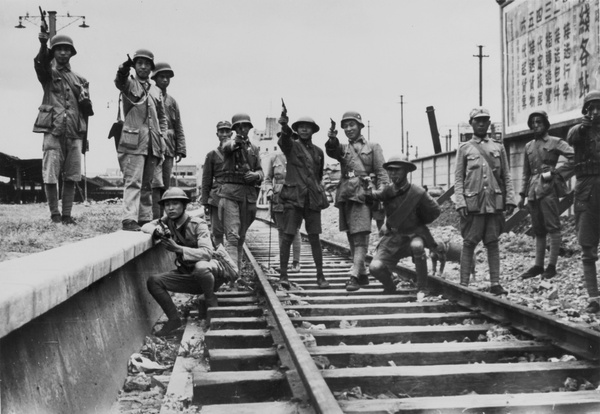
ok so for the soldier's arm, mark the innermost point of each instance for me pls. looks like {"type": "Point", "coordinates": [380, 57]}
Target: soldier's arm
{"type": "Point", "coordinates": [285, 141]}
{"type": "Point", "coordinates": [429, 209]}
{"type": "Point", "coordinates": [526, 174]}
{"type": "Point", "coordinates": [567, 169]}
{"type": "Point", "coordinates": [204, 251]}
{"type": "Point", "coordinates": [378, 160]}
{"type": "Point", "coordinates": [207, 179]}
{"type": "Point", "coordinates": [459, 178]}
{"type": "Point", "coordinates": [42, 64]}
{"type": "Point", "coordinates": [506, 177]}
{"type": "Point", "coordinates": [179, 134]}
{"type": "Point", "coordinates": [334, 148]}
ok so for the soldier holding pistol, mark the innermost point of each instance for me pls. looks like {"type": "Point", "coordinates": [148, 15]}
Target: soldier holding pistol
{"type": "Point", "coordinates": [241, 183]}
{"type": "Point", "coordinates": [302, 195]}
{"type": "Point", "coordinates": [62, 119]}
{"type": "Point", "coordinates": [362, 166]}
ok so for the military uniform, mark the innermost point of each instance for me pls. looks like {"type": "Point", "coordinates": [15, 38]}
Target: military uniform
{"type": "Point", "coordinates": [585, 140]}
{"type": "Point", "coordinates": [63, 124]}
{"type": "Point", "coordinates": [237, 204]}
{"type": "Point", "coordinates": [543, 184]}
{"type": "Point", "coordinates": [212, 178]}
{"type": "Point", "coordinates": [408, 210]}
{"type": "Point", "coordinates": [274, 168]}
{"type": "Point", "coordinates": [484, 189]}
{"type": "Point", "coordinates": [142, 144]}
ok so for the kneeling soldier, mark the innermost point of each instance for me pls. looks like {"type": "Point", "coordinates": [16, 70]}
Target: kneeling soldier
{"type": "Point", "coordinates": [189, 238]}
{"type": "Point", "coordinates": [408, 210]}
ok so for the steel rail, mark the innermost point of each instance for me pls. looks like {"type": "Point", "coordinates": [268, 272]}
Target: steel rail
{"type": "Point", "coordinates": [318, 391]}
{"type": "Point", "coordinates": [574, 339]}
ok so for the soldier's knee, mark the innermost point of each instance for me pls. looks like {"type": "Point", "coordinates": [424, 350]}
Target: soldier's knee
{"type": "Point", "coordinates": [153, 282]}
{"type": "Point", "coordinates": [417, 246]}
{"type": "Point", "coordinates": [377, 267]}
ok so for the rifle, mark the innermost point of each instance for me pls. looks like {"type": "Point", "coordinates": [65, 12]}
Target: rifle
{"type": "Point", "coordinates": [44, 25]}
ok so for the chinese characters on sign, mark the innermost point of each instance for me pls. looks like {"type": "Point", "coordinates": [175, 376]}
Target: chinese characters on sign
{"type": "Point", "coordinates": [551, 56]}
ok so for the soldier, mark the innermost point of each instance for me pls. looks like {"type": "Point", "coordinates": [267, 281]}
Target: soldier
{"type": "Point", "coordinates": [543, 184]}
{"type": "Point", "coordinates": [408, 209]}
{"type": "Point", "coordinates": [197, 272]}
{"type": "Point", "coordinates": [241, 182]}
{"type": "Point", "coordinates": [212, 177]}
{"type": "Point", "coordinates": [361, 162]}
{"type": "Point", "coordinates": [62, 119]}
{"type": "Point", "coordinates": [585, 139]}
{"type": "Point", "coordinates": [302, 195]}
{"type": "Point", "coordinates": [142, 144]}
{"type": "Point", "coordinates": [483, 190]}
{"type": "Point", "coordinates": [274, 168]}
{"type": "Point", "coordinates": [175, 148]}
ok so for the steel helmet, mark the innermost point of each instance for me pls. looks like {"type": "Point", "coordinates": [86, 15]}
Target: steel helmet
{"type": "Point", "coordinates": [400, 161]}
{"type": "Point", "coordinates": [163, 67]}
{"type": "Point", "coordinates": [541, 113]}
{"type": "Point", "coordinates": [306, 120]}
{"type": "Point", "coordinates": [352, 115]}
{"type": "Point", "coordinates": [144, 53]}
{"type": "Point", "coordinates": [589, 97]}
{"type": "Point", "coordinates": [241, 119]}
{"type": "Point", "coordinates": [175, 193]}
{"type": "Point", "coordinates": [62, 40]}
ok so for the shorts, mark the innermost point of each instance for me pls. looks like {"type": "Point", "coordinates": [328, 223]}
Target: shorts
{"type": "Point", "coordinates": [482, 227]}
{"type": "Point", "coordinates": [61, 155]}
{"type": "Point", "coordinates": [292, 220]}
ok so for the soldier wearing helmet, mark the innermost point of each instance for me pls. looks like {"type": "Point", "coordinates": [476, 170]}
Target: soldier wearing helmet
{"type": "Point", "coordinates": [241, 183]}
{"type": "Point", "coordinates": [483, 191]}
{"type": "Point", "coordinates": [408, 210]}
{"type": "Point", "coordinates": [542, 184]}
{"type": "Point", "coordinates": [302, 195]}
{"type": "Point", "coordinates": [199, 270]}
{"type": "Point", "coordinates": [212, 178]}
{"type": "Point", "coordinates": [66, 98]}
{"type": "Point", "coordinates": [361, 162]}
{"type": "Point", "coordinates": [141, 146]}
{"type": "Point", "coordinates": [175, 148]}
{"type": "Point", "coordinates": [585, 140]}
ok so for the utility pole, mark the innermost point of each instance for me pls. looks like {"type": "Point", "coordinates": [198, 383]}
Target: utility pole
{"type": "Point", "coordinates": [402, 121]}
{"type": "Point", "coordinates": [480, 56]}
{"type": "Point", "coordinates": [368, 130]}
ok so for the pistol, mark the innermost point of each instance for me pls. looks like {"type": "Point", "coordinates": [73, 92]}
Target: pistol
{"type": "Point", "coordinates": [283, 108]}
{"type": "Point", "coordinates": [332, 127]}
{"type": "Point", "coordinates": [44, 25]}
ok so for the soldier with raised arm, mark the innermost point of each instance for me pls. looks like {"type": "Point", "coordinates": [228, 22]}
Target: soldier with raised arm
{"type": "Point", "coordinates": [361, 162]}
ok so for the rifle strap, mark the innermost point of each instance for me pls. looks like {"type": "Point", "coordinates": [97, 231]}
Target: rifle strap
{"type": "Point", "coordinates": [179, 238]}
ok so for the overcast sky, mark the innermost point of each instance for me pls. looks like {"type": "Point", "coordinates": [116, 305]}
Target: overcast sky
{"type": "Point", "coordinates": [323, 57]}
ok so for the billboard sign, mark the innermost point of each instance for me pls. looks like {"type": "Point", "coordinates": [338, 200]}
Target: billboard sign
{"type": "Point", "coordinates": [551, 58]}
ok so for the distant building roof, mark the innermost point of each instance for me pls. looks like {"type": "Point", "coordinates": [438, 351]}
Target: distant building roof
{"type": "Point", "coordinates": [30, 170]}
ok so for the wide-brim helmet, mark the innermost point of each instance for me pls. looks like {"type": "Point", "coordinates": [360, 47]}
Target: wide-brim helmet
{"type": "Point", "coordinates": [589, 97]}
{"type": "Point", "coordinates": [306, 120]}
{"type": "Point", "coordinates": [400, 161]}
{"type": "Point", "coordinates": [352, 115]}
{"type": "Point", "coordinates": [541, 113]}
{"type": "Point", "coordinates": [175, 193]}
{"type": "Point", "coordinates": [61, 39]}
{"type": "Point", "coordinates": [162, 67]}
{"type": "Point", "coordinates": [144, 53]}
{"type": "Point", "coordinates": [241, 119]}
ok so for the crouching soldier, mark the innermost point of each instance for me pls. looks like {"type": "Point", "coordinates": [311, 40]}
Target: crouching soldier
{"type": "Point", "coordinates": [199, 269]}
{"type": "Point", "coordinates": [408, 209]}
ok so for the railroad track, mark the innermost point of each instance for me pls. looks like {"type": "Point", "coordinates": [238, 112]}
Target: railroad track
{"type": "Point", "coordinates": [330, 351]}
